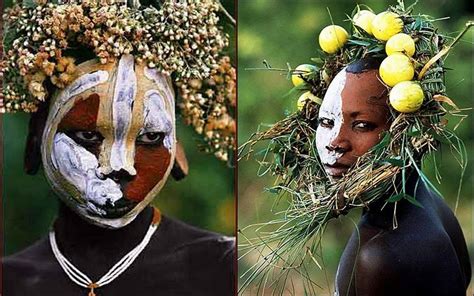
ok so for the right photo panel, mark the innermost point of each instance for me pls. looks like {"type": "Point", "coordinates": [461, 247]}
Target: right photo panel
{"type": "Point", "coordinates": [355, 135]}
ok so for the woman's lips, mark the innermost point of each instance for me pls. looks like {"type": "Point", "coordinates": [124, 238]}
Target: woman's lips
{"type": "Point", "coordinates": [336, 170]}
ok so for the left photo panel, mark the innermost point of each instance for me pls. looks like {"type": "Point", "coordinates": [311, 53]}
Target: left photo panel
{"type": "Point", "coordinates": [119, 135]}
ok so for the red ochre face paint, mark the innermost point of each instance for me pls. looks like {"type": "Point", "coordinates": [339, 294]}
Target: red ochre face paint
{"type": "Point", "coordinates": [94, 149]}
{"type": "Point", "coordinates": [82, 116]}
{"type": "Point", "coordinates": [151, 163]}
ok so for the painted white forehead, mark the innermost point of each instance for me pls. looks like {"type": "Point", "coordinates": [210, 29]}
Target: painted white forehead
{"type": "Point", "coordinates": [126, 77]}
{"type": "Point", "coordinates": [333, 95]}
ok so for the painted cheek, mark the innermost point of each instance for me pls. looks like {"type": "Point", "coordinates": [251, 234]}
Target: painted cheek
{"type": "Point", "coordinates": [332, 109]}
{"type": "Point", "coordinates": [151, 164]}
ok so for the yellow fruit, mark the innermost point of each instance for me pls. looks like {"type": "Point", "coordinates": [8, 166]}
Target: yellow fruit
{"type": "Point", "coordinates": [386, 24]}
{"type": "Point", "coordinates": [401, 43]}
{"type": "Point", "coordinates": [307, 96]}
{"type": "Point", "coordinates": [406, 96]}
{"type": "Point", "coordinates": [302, 71]}
{"type": "Point", "coordinates": [363, 19]}
{"type": "Point", "coordinates": [396, 68]}
{"type": "Point", "coordinates": [332, 38]}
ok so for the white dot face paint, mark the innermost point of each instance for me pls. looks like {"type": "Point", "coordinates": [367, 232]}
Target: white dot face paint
{"type": "Point", "coordinates": [93, 150]}
{"type": "Point", "coordinates": [331, 110]}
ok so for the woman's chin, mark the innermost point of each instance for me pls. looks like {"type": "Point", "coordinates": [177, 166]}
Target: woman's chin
{"type": "Point", "coordinates": [335, 173]}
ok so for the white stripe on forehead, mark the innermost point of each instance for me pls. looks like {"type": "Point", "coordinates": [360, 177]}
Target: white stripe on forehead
{"type": "Point", "coordinates": [161, 80]}
{"type": "Point", "coordinates": [83, 83]}
{"type": "Point", "coordinates": [124, 96]}
{"type": "Point", "coordinates": [157, 119]}
{"type": "Point", "coordinates": [331, 108]}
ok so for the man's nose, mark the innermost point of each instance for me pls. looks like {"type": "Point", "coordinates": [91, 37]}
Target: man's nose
{"type": "Point", "coordinates": [122, 158]}
{"type": "Point", "coordinates": [119, 176]}
{"type": "Point", "coordinates": [117, 161]}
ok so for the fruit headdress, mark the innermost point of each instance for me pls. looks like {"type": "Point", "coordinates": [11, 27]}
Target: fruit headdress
{"type": "Point", "coordinates": [412, 70]}
{"type": "Point", "coordinates": [44, 41]}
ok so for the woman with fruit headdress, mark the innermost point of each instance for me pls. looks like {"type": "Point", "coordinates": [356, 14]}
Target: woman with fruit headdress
{"type": "Point", "coordinates": [368, 115]}
{"type": "Point", "coordinates": [99, 78]}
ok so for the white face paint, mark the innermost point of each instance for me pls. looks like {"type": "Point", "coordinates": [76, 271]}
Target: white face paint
{"type": "Point", "coordinates": [133, 101]}
{"type": "Point", "coordinates": [156, 118]}
{"type": "Point", "coordinates": [79, 167]}
{"type": "Point", "coordinates": [124, 97]}
{"type": "Point", "coordinates": [83, 83]}
{"type": "Point", "coordinates": [331, 109]}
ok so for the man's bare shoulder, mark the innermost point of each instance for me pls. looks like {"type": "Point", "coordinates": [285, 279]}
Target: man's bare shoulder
{"type": "Point", "coordinates": [26, 270]}
{"type": "Point", "coordinates": [420, 261]}
{"type": "Point", "coordinates": [37, 254]}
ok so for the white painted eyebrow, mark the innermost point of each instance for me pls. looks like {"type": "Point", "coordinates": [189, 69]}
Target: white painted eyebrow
{"type": "Point", "coordinates": [160, 79]}
{"type": "Point", "coordinates": [83, 83]}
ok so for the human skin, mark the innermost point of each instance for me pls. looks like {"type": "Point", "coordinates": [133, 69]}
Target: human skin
{"type": "Point", "coordinates": [179, 260]}
{"type": "Point", "coordinates": [351, 119]}
{"type": "Point", "coordinates": [84, 146]}
{"type": "Point", "coordinates": [380, 259]}
{"type": "Point", "coordinates": [109, 141]}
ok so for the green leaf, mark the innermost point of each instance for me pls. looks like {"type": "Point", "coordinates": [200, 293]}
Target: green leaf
{"type": "Point", "coordinates": [29, 3]}
{"type": "Point", "coordinates": [440, 137]}
{"type": "Point", "coordinates": [396, 161]}
{"type": "Point", "coordinates": [413, 131]}
{"type": "Point", "coordinates": [319, 62]}
{"type": "Point", "coordinates": [278, 159]}
{"type": "Point", "coordinates": [376, 48]}
{"type": "Point", "coordinates": [383, 143]}
{"type": "Point", "coordinates": [273, 190]}
{"type": "Point", "coordinates": [9, 35]}
{"type": "Point", "coordinates": [413, 201]}
{"type": "Point", "coordinates": [359, 42]}
{"type": "Point", "coordinates": [395, 198]}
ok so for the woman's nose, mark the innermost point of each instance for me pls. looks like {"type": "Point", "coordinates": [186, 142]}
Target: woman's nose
{"type": "Point", "coordinates": [335, 148]}
{"type": "Point", "coordinates": [340, 143]}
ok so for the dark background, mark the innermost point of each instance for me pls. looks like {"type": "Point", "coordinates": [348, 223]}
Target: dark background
{"type": "Point", "coordinates": [205, 198]}
{"type": "Point", "coordinates": [282, 31]}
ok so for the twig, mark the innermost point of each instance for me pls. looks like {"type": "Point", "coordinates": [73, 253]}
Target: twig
{"type": "Point", "coordinates": [227, 14]}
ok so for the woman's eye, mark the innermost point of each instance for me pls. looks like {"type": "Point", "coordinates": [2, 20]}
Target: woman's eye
{"type": "Point", "coordinates": [151, 138]}
{"type": "Point", "coordinates": [88, 136]}
{"type": "Point", "coordinates": [363, 126]}
{"type": "Point", "coordinates": [325, 122]}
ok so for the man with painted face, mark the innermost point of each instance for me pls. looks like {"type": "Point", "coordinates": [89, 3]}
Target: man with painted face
{"type": "Point", "coordinates": [426, 254]}
{"type": "Point", "coordinates": [107, 143]}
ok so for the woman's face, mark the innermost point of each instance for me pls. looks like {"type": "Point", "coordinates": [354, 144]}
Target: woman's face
{"type": "Point", "coordinates": [109, 141]}
{"type": "Point", "coordinates": [352, 116]}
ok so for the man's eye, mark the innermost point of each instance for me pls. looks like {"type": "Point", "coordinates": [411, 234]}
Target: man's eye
{"type": "Point", "coordinates": [325, 122]}
{"type": "Point", "coordinates": [363, 126]}
{"type": "Point", "coordinates": [88, 136]}
{"type": "Point", "coordinates": [151, 138]}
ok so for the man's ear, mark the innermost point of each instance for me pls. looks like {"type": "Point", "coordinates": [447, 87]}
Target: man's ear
{"type": "Point", "coordinates": [180, 167]}
{"type": "Point", "coordinates": [32, 159]}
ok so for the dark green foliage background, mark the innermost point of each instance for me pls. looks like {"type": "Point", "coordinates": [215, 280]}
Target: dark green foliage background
{"type": "Point", "coordinates": [205, 198]}
{"type": "Point", "coordinates": [287, 31]}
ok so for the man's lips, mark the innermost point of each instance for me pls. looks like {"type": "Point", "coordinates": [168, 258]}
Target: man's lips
{"type": "Point", "coordinates": [336, 169]}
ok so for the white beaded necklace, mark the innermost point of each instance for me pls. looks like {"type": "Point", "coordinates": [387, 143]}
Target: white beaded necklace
{"type": "Point", "coordinates": [83, 280]}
